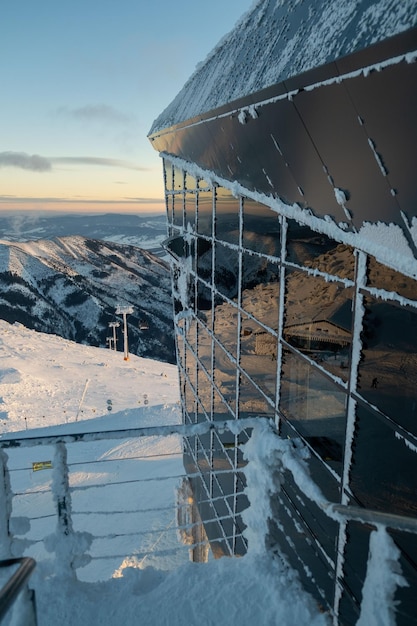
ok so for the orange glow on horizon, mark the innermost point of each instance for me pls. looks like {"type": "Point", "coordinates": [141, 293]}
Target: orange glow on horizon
{"type": "Point", "coordinates": [82, 206]}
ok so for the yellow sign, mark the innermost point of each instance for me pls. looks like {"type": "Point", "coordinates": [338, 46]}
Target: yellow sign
{"type": "Point", "coordinates": [41, 465]}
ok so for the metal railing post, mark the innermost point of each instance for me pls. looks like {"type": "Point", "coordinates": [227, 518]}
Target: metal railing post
{"type": "Point", "coordinates": [17, 586]}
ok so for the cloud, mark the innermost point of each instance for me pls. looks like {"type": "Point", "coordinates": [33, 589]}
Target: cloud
{"type": "Point", "coordinates": [37, 163]}
{"type": "Point", "coordinates": [24, 161]}
{"type": "Point", "coordinates": [96, 113]}
{"type": "Point", "coordinates": [86, 160]}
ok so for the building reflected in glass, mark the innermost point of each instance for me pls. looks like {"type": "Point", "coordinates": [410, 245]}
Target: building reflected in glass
{"type": "Point", "coordinates": [296, 300]}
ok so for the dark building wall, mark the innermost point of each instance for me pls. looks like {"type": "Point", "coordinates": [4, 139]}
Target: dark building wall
{"type": "Point", "coordinates": [292, 214]}
{"type": "Point", "coordinates": [338, 142]}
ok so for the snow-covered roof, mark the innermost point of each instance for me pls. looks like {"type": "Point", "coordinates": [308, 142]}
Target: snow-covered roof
{"type": "Point", "coordinates": [277, 39]}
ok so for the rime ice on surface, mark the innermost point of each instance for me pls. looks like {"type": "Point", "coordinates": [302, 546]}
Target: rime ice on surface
{"type": "Point", "coordinates": [340, 196]}
{"type": "Point", "coordinates": [69, 547]}
{"type": "Point", "coordinates": [383, 576]}
{"type": "Point", "coordinates": [386, 242]}
{"type": "Point", "coordinates": [276, 39]}
{"type": "Point", "coordinates": [268, 455]}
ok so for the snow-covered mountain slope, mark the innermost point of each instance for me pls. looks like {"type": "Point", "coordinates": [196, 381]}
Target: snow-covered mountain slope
{"type": "Point", "coordinates": [71, 286]}
{"type": "Point", "coordinates": [46, 380]}
{"type": "Point", "coordinates": [144, 231]}
{"type": "Point", "coordinates": [42, 383]}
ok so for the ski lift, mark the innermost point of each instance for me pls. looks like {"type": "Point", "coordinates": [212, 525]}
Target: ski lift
{"type": "Point", "coordinates": [143, 325]}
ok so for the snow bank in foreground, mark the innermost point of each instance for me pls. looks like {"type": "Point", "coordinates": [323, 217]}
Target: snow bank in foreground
{"type": "Point", "coordinates": [243, 591]}
{"type": "Point", "coordinates": [246, 591]}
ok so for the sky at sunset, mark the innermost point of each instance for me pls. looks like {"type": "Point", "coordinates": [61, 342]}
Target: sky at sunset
{"type": "Point", "coordinates": [81, 83]}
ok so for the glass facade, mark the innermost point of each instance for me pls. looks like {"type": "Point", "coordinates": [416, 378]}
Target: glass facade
{"type": "Point", "coordinates": [278, 321]}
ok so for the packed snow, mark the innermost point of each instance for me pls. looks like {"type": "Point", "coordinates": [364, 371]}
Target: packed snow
{"type": "Point", "coordinates": [51, 386]}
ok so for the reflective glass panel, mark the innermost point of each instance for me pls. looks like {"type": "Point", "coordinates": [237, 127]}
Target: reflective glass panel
{"type": "Point", "coordinates": [178, 203]}
{"type": "Point", "coordinates": [310, 249]}
{"type": "Point", "coordinates": [190, 211]}
{"type": "Point", "coordinates": [297, 543]}
{"type": "Point", "coordinates": [319, 472]}
{"type": "Point", "coordinates": [221, 410]}
{"type": "Point", "coordinates": [190, 330]}
{"type": "Point", "coordinates": [316, 407]}
{"type": "Point", "coordinates": [190, 403]}
{"type": "Point", "coordinates": [170, 208]}
{"type": "Point", "coordinates": [225, 379]}
{"type": "Point", "coordinates": [318, 320]}
{"type": "Point", "coordinates": [204, 347]}
{"type": "Point", "coordinates": [202, 414]}
{"type": "Point", "coordinates": [382, 277]}
{"type": "Point", "coordinates": [191, 366]}
{"type": "Point", "coordinates": [388, 368]}
{"type": "Point", "coordinates": [258, 356]}
{"type": "Point", "coordinates": [261, 228]}
{"type": "Point", "coordinates": [204, 395]}
{"type": "Point", "coordinates": [168, 176]}
{"type": "Point", "coordinates": [226, 271]}
{"type": "Point", "coordinates": [260, 289]}
{"type": "Point", "coordinates": [178, 179]}
{"type": "Point", "coordinates": [226, 326]}
{"type": "Point", "coordinates": [204, 297]}
{"type": "Point", "coordinates": [227, 216]}
{"type": "Point", "coordinates": [251, 402]}
{"type": "Point", "coordinates": [190, 181]}
{"type": "Point", "coordinates": [204, 460]}
{"type": "Point", "coordinates": [205, 212]}
{"type": "Point", "coordinates": [204, 259]}
{"type": "Point", "coordinates": [383, 474]}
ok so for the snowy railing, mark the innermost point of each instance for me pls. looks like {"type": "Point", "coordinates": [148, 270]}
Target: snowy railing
{"type": "Point", "coordinates": [75, 509]}
{"type": "Point", "coordinates": [78, 514]}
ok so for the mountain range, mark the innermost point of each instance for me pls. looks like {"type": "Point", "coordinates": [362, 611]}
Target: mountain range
{"type": "Point", "coordinates": [145, 231]}
{"type": "Point", "coordinates": [71, 286]}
